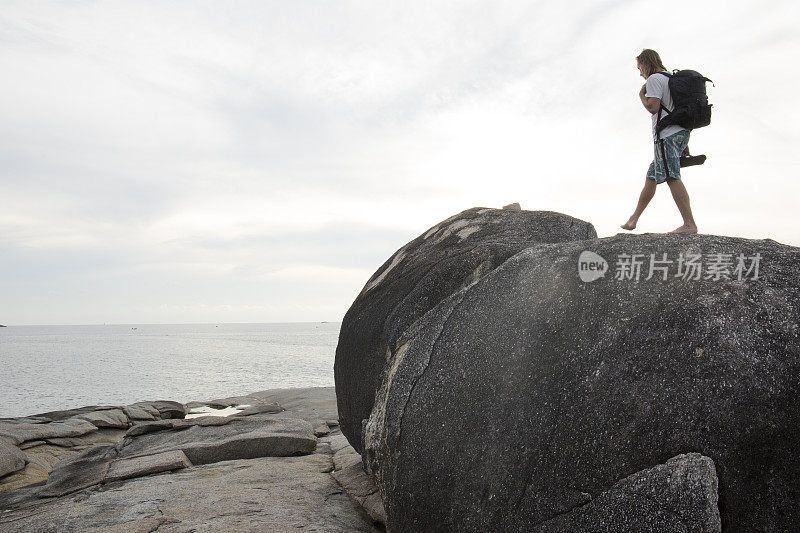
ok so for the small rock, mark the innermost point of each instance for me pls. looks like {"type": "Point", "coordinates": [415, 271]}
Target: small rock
{"type": "Point", "coordinates": [12, 459]}
{"type": "Point", "coordinates": [323, 448]}
{"type": "Point", "coordinates": [321, 430]}
{"type": "Point", "coordinates": [338, 442]}
{"type": "Point", "coordinates": [221, 403]}
{"type": "Point", "coordinates": [83, 470]}
{"type": "Point", "coordinates": [139, 412]}
{"type": "Point", "coordinates": [59, 416]}
{"type": "Point", "coordinates": [31, 444]}
{"type": "Point", "coordinates": [361, 489]}
{"type": "Point", "coordinates": [513, 207]}
{"type": "Point", "coordinates": [111, 418]}
{"type": "Point", "coordinates": [345, 458]}
{"type": "Point", "coordinates": [146, 465]}
{"type": "Point", "coordinates": [19, 432]}
{"type": "Point", "coordinates": [176, 424]}
{"type": "Point", "coordinates": [64, 442]}
{"type": "Point", "coordinates": [259, 409]}
{"type": "Point", "coordinates": [148, 427]}
{"type": "Point", "coordinates": [168, 409]}
{"type": "Point", "coordinates": [204, 421]}
{"type": "Point", "coordinates": [332, 423]}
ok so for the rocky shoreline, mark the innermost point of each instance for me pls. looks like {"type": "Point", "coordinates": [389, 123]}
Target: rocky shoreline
{"type": "Point", "coordinates": [279, 461]}
{"type": "Point", "coordinates": [490, 386]}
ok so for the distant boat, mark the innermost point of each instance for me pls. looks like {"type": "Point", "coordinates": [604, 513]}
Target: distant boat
{"type": "Point", "coordinates": [2, 326]}
{"type": "Point", "coordinates": [134, 329]}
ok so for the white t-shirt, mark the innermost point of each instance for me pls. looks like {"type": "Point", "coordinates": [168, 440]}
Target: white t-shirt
{"type": "Point", "coordinates": [658, 87]}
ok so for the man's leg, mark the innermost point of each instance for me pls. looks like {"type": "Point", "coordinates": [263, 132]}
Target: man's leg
{"type": "Point", "coordinates": [644, 198]}
{"type": "Point", "coordinates": [681, 197]}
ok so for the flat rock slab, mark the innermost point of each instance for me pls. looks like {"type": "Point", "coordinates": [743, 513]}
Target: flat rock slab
{"type": "Point", "coordinates": [313, 404]}
{"type": "Point", "coordinates": [146, 465]}
{"type": "Point", "coordinates": [19, 432]}
{"type": "Point", "coordinates": [108, 418]}
{"type": "Point", "coordinates": [338, 442]}
{"type": "Point", "coordinates": [60, 416]}
{"type": "Point", "coordinates": [151, 410]}
{"type": "Point", "coordinates": [221, 403]}
{"type": "Point", "coordinates": [141, 411]}
{"type": "Point", "coordinates": [268, 494]}
{"type": "Point", "coordinates": [43, 455]}
{"type": "Point", "coordinates": [244, 438]}
{"type": "Point", "coordinates": [79, 472]}
{"type": "Point", "coordinates": [180, 423]}
{"type": "Point", "coordinates": [240, 438]}
{"type": "Point", "coordinates": [259, 409]}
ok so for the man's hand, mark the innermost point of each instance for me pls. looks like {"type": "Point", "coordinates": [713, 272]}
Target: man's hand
{"type": "Point", "coordinates": [651, 104]}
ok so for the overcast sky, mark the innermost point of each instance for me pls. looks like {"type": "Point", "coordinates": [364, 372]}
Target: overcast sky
{"type": "Point", "coordinates": [257, 161]}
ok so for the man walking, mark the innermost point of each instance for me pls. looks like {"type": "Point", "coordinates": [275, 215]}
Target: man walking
{"type": "Point", "coordinates": [670, 143]}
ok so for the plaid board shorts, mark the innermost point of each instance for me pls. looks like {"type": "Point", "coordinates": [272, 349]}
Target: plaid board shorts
{"type": "Point", "coordinates": [673, 146]}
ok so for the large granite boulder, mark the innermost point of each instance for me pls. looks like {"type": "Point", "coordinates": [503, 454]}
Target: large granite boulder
{"type": "Point", "coordinates": [533, 389]}
{"type": "Point", "coordinates": [448, 256]}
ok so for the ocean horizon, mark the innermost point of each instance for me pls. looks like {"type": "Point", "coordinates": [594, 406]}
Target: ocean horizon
{"type": "Point", "coordinates": [54, 367]}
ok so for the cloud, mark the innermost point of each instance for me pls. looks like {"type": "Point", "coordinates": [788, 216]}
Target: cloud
{"type": "Point", "coordinates": [160, 157]}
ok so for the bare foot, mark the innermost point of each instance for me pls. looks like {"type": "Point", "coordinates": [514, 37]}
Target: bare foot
{"type": "Point", "coordinates": [686, 228]}
{"type": "Point", "coordinates": [630, 224]}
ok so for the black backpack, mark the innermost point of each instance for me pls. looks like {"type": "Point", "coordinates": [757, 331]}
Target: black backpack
{"type": "Point", "coordinates": [691, 108]}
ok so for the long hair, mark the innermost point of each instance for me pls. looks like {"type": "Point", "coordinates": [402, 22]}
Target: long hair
{"type": "Point", "coordinates": [650, 62]}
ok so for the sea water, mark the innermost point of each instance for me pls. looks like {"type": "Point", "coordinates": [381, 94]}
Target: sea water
{"type": "Point", "coordinates": [46, 368]}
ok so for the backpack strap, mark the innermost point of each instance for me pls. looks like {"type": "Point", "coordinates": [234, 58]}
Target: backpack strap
{"type": "Point", "coordinates": [658, 129]}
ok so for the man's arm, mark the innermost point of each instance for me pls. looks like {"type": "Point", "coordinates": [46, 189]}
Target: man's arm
{"type": "Point", "coordinates": [651, 104]}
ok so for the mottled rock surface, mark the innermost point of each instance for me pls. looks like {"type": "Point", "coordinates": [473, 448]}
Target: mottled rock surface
{"type": "Point", "coordinates": [201, 441]}
{"type": "Point", "coordinates": [240, 438]}
{"type": "Point", "coordinates": [678, 496]}
{"type": "Point", "coordinates": [146, 464]}
{"type": "Point", "coordinates": [18, 432]}
{"type": "Point", "coordinates": [47, 438]}
{"type": "Point", "coordinates": [349, 472]}
{"type": "Point", "coordinates": [568, 386]}
{"type": "Point", "coordinates": [128, 486]}
{"type": "Point", "coordinates": [109, 418]}
{"type": "Point", "coordinates": [447, 257]}
{"type": "Point", "coordinates": [267, 494]}
{"type": "Point", "coordinates": [11, 458]}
